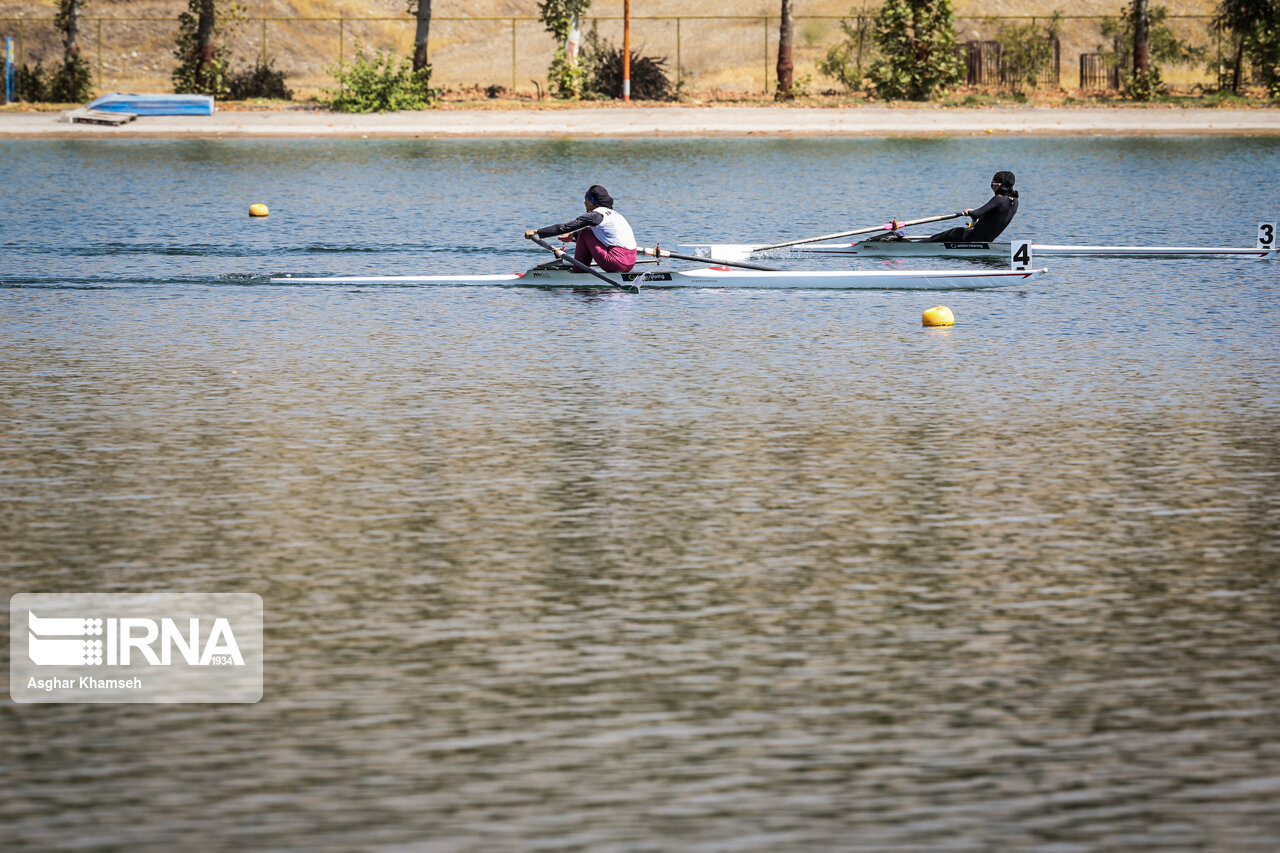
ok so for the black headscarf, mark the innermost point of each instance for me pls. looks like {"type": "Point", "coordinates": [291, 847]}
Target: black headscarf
{"type": "Point", "coordinates": [599, 196]}
{"type": "Point", "coordinates": [1005, 180]}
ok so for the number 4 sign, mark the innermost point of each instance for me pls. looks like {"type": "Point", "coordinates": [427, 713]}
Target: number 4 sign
{"type": "Point", "coordinates": [1020, 254]}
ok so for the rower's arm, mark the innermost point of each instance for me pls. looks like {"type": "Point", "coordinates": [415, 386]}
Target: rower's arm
{"type": "Point", "coordinates": [989, 207]}
{"type": "Point", "coordinates": [586, 220]}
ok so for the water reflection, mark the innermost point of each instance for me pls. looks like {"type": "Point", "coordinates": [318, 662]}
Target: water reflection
{"type": "Point", "coordinates": [700, 570]}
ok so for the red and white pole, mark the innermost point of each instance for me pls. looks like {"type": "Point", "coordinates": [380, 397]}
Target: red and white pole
{"type": "Point", "coordinates": [626, 50]}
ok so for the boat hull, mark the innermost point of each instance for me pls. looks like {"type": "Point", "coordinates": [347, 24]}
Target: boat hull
{"type": "Point", "coordinates": [712, 277]}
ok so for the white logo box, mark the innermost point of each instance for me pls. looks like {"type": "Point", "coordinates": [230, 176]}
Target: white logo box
{"type": "Point", "coordinates": [126, 647]}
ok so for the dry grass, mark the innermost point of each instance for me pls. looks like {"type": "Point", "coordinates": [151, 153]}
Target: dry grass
{"type": "Point", "coordinates": [730, 57]}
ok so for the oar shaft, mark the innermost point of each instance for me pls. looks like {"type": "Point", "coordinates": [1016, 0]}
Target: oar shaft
{"type": "Point", "coordinates": [659, 252]}
{"type": "Point", "coordinates": [579, 265]}
{"type": "Point", "coordinates": [887, 226]}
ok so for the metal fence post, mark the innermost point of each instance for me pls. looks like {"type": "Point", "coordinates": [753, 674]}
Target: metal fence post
{"type": "Point", "coordinates": [264, 41]}
{"type": "Point", "coordinates": [99, 53]}
{"type": "Point", "coordinates": [678, 72]}
{"type": "Point", "coordinates": [8, 70]}
{"type": "Point", "coordinates": [765, 21]}
{"type": "Point", "coordinates": [513, 57]}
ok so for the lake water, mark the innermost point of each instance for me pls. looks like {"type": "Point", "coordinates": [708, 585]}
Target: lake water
{"type": "Point", "coordinates": [702, 570]}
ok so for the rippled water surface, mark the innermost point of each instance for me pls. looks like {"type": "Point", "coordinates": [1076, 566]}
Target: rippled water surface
{"type": "Point", "coordinates": [704, 570]}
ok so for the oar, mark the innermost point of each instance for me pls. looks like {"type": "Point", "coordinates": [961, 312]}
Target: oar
{"type": "Point", "coordinates": [888, 226]}
{"type": "Point", "coordinates": [659, 252]}
{"type": "Point", "coordinates": [629, 287]}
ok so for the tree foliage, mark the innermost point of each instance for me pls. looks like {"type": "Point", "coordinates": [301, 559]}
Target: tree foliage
{"type": "Point", "coordinates": [204, 63]}
{"type": "Point", "coordinates": [1253, 27]}
{"type": "Point", "coordinates": [72, 82]}
{"type": "Point", "coordinates": [917, 44]}
{"type": "Point", "coordinates": [258, 81]}
{"type": "Point", "coordinates": [1026, 51]}
{"type": "Point", "coordinates": [844, 61]}
{"type": "Point", "coordinates": [602, 67]}
{"type": "Point", "coordinates": [566, 78]}
{"type": "Point", "coordinates": [379, 85]}
{"type": "Point", "coordinates": [1163, 47]}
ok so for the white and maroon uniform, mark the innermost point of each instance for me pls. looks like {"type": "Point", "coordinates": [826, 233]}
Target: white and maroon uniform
{"type": "Point", "coordinates": [604, 236]}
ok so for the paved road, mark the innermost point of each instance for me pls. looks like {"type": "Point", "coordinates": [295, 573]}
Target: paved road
{"type": "Point", "coordinates": [669, 121]}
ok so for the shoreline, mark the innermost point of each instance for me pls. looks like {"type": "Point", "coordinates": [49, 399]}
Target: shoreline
{"type": "Point", "coordinates": [594, 122]}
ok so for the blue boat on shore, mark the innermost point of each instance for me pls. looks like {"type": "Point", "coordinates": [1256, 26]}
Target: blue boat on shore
{"type": "Point", "coordinates": [155, 105]}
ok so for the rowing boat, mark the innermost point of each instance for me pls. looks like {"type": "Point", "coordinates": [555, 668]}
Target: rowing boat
{"type": "Point", "coordinates": [919, 247]}
{"type": "Point", "coordinates": [556, 274]}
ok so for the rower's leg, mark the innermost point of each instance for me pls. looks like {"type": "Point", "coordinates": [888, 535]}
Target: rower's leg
{"type": "Point", "coordinates": [582, 252]}
{"type": "Point", "coordinates": [951, 235]}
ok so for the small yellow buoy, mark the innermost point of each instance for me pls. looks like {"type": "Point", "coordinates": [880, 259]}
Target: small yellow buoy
{"type": "Point", "coordinates": [257, 210]}
{"type": "Point", "coordinates": [939, 315]}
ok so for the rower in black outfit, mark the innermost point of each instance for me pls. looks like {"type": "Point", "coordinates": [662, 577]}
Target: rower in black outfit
{"type": "Point", "coordinates": [989, 220]}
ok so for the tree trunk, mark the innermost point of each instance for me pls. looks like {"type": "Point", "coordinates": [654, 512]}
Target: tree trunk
{"type": "Point", "coordinates": [71, 35]}
{"type": "Point", "coordinates": [1141, 22]}
{"type": "Point", "coordinates": [205, 24]}
{"type": "Point", "coordinates": [420, 35]}
{"type": "Point", "coordinates": [1237, 67]}
{"type": "Point", "coordinates": [786, 66]}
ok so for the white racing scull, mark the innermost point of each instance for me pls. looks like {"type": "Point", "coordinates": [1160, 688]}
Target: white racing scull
{"type": "Point", "coordinates": [556, 274]}
{"type": "Point", "coordinates": [920, 247]}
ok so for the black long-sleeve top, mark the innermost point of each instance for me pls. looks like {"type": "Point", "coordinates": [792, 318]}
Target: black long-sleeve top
{"type": "Point", "coordinates": [992, 218]}
{"type": "Point", "coordinates": [587, 220]}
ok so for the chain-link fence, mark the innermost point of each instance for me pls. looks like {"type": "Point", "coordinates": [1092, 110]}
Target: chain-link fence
{"type": "Point", "coordinates": [729, 54]}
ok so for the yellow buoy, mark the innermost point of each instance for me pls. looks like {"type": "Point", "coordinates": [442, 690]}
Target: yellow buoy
{"type": "Point", "coordinates": [257, 210]}
{"type": "Point", "coordinates": [939, 315]}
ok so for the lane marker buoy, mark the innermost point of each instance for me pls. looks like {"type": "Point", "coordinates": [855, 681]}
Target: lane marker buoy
{"type": "Point", "coordinates": [939, 315]}
{"type": "Point", "coordinates": [258, 210]}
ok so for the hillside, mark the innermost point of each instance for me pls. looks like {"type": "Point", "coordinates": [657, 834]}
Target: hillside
{"type": "Point", "coordinates": [133, 49]}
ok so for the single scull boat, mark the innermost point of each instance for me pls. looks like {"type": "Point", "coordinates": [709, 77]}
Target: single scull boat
{"type": "Point", "coordinates": [920, 247]}
{"type": "Point", "coordinates": [556, 274]}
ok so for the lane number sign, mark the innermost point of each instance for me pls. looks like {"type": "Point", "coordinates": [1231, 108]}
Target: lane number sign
{"type": "Point", "coordinates": [1020, 254]}
{"type": "Point", "coordinates": [1267, 235]}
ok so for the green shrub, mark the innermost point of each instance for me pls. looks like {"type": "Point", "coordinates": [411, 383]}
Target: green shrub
{"type": "Point", "coordinates": [1163, 48]}
{"type": "Point", "coordinates": [565, 78]}
{"type": "Point", "coordinates": [1026, 52]}
{"type": "Point", "coordinates": [258, 81]}
{"type": "Point", "coordinates": [917, 43]}
{"type": "Point", "coordinates": [208, 75]}
{"type": "Point", "coordinates": [71, 84]}
{"type": "Point", "coordinates": [29, 83]}
{"type": "Point", "coordinates": [844, 62]}
{"type": "Point", "coordinates": [379, 85]}
{"type": "Point", "coordinates": [602, 66]}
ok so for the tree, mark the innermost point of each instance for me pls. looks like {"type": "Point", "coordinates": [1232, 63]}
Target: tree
{"type": "Point", "coordinates": [72, 82]}
{"type": "Point", "coordinates": [203, 67]}
{"type": "Point", "coordinates": [420, 9]}
{"type": "Point", "coordinates": [1254, 28]}
{"type": "Point", "coordinates": [786, 67]}
{"type": "Point", "coordinates": [1026, 52]}
{"type": "Point", "coordinates": [917, 43]}
{"type": "Point", "coordinates": [565, 76]}
{"type": "Point", "coordinates": [1163, 48]}
{"type": "Point", "coordinates": [1141, 25]}
{"type": "Point", "coordinates": [844, 61]}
